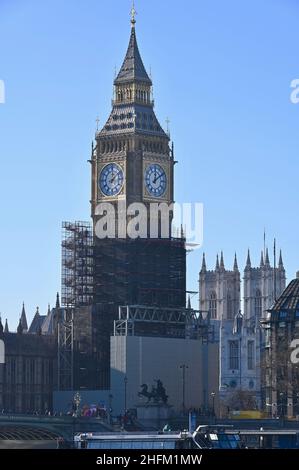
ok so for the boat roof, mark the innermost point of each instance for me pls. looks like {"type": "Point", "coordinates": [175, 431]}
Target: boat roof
{"type": "Point", "coordinates": [135, 436]}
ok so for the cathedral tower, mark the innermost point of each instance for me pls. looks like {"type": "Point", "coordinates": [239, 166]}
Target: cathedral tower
{"type": "Point", "coordinates": [262, 286]}
{"type": "Point", "coordinates": [220, 290]}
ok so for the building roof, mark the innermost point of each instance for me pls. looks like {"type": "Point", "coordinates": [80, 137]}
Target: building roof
{"type": "Point", "coordinates": [37, 322]}
{"type": "Point", "coordinates": [131, 118]}
{"type": "Point", "coordinates": [289, 299]}
{"type": "Point", "coordinates": [48, 323]}
{"type": "Point", "coordinates": [132, 68]}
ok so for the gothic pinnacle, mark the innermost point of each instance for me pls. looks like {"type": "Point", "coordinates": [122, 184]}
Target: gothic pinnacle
{"type": "Point", "coordinates": [222, 267]}
{"type": "Point", "coordinates": [280, 262]}
{"type": "Point", "coordinates": [203, 266]}
{"type": "Point", "coordinates": [248, 262]}
{"type": "Point", "coordinates": [262, 264]}
{"type": "Point", "coordinates": [20, 328]}
{"type": "Point", "coordinates": [23, 319]}
{"type": "Point", "coordinates": [267, 261]}
{"type": "Point", "coordinates": [217, 263]}
{"type": "Point", "coordinates": [57, 301]}
{"type": "Point", "coordinates": [236, 267]}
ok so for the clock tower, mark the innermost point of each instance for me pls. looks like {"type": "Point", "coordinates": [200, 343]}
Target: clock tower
{"type": "Point", "coordinates": [132, 163]}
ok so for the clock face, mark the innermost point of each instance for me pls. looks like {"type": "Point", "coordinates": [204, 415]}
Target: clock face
{"type": "Point", "coordinates": [155, 180]}
{"type": "Point", "coordinates": [111, 179]}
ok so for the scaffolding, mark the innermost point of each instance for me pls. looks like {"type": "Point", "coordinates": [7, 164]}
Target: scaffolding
{"type": "Point", "coordinates": [77, 264]}
{"type": "Point", "coordinates": [140, 320]}
{"type": "Point", "coordinates": [65, 327]}
{"type": "Point", "coordinates": [141, 271]}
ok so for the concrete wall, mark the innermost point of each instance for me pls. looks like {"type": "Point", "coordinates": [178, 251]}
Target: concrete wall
{"type": "Point", "coordinates": [142, 360]}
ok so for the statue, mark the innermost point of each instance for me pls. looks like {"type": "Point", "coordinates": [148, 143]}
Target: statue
{"type": "Point", "coordinates": [157, 394]}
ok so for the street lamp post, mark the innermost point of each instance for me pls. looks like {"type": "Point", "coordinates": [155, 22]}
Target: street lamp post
{"type": "Point", "coordinates": [213, 405]}
{"type": "Point", "coordinates": [110, 408]}
{"type": "Point", "coordinates": [184, 367]}
{"type": "Point", "coordinates": [281, 405]}
{"type": "Point", "coordinates": [77, 401]}
{"type": "Point", "coordinates": [126, 383]}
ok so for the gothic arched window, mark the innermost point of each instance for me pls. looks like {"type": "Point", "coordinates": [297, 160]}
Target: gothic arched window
{"type": "Point", "coordinates": [258, 304]}
{"type": "Point", "coordinates": [230, 311]}
{"type": "Point", "coordinates": [213, 305]}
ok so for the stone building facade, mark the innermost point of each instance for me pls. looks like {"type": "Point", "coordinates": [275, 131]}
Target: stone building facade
{"type": "Point", "coordinates": [28, 375]}
{"type": "Point", "coordinates": [241, 338]}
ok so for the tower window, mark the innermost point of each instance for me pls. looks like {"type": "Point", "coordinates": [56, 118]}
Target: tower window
{"type": "Point", "coordinates": [234, 355]}
{"type": "Point", "coordinates": [230, 312]}
{"type": "Point", "coordinates": [258, 304]}
{"type": "Point", "coordinates": [250, 355]}
{"type": "Point", "coordinates": [213, 305]}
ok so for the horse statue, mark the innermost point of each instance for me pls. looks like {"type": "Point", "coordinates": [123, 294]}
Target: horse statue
{"type": "Point", "coordinates": [157, 394]}
{"type": "Point", "coordinates": [161, 392]}
{"type": "Point", "coordinates": [145, 393]}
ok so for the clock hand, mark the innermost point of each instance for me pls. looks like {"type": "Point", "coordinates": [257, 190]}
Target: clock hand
{"type": "Point", "coordinates": [156, 179]}
{"type": "Point", "coordinates": [113, 177]}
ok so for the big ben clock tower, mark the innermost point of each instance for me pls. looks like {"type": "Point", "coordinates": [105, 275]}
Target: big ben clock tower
{"type": "Point", "coordinates": [132, 162]}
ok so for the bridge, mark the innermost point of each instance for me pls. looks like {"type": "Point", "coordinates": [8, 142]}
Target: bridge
{"type": "Point", "coordinates": [27, 427]}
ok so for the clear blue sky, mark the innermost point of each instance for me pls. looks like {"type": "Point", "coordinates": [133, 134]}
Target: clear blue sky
{"type": "Point", "coordinates": [222, 73]}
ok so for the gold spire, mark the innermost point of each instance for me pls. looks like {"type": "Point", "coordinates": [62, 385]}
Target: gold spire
{"type": "Point", "coordinates": [133, 14]}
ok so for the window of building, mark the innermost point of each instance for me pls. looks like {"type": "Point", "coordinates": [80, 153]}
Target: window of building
{"type": "Point", "coordinates": [258, 304]}
{"type": "Point", "coordinates": [250, 355]}
{"type": "Point", "coordinates": [230, 312]}
{"type": "Point", "coordinates": [213, 305]}
{"type": "Point", "coordinates": [234, 355]}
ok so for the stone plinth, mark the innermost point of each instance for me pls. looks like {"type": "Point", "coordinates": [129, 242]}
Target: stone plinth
{"type": "Point", "coordinates": [154, 415]}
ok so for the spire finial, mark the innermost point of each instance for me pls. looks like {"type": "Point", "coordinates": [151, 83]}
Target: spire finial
{"type": "Point", "coordinates": [133, 14]}
{"type": "Point", "coordinates": [97, 122]}
{"type": "Point", "coordinates": [167, 120]}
